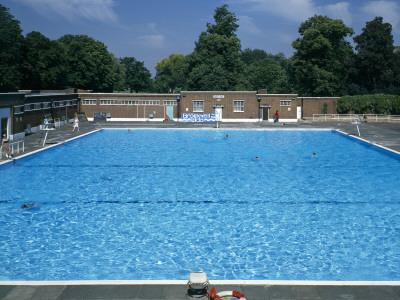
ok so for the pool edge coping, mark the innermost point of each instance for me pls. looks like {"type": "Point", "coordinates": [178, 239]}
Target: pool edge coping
{"type": "Point", "coordinates": [367, 142]}
{"type": "Point", "coordinates": [212, 282]}
{"type": "Point", "coordinates": [46, 148]}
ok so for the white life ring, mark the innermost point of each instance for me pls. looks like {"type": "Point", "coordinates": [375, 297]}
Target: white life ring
{"type": "Point", "coordinates": [238, 295]}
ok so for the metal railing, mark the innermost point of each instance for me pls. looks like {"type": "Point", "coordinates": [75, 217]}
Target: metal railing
{"type": "Point", "coordinates": [352, 117]}
{"type": "Point", "coordinates": [15, 147]}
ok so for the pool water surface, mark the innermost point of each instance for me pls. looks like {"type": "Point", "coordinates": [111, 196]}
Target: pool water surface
{"type": "Point", "coordinates": [156, 204]}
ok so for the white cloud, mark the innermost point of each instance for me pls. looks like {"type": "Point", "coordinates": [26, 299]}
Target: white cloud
{"type": "Point", "coordinates": [340, 11]}
{"type": "Point", "coordinates": [94, 10]}
{"type": "Point", "coordinates": [294, 10]}
{"type": "Point", "coordinates": [389, 10]}
{"type": "Point", "coordinates": [246, 25]}
{"type": "Point", "coordinates": [153, 39]}
{"type": "Point", "coordinates": [298, 11]}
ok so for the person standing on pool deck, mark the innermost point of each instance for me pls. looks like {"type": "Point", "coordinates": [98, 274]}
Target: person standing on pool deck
{"type": "Point", "coordinates": [276, 117]}
{"type": "Point", "coordinates": [4, 142]}
{"type": "Point", "coordinates": [76, 123]}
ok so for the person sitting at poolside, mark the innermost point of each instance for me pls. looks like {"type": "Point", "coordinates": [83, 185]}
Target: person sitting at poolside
{"type": "Point", "coordinates": [4, 143]}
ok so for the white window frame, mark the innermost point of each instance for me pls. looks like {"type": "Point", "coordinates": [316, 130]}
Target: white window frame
{"type": "Point", "coordinates": [286, 102]}
{"type": "Point", "coordinates": [28, 107]}
{"type": "Point", "coordinates": [88, 102]}
{"type": "Point", "coordinates": [129, 102]}
{"type": "Point", "coordinates": [37, 106]}
{"type": "Point", "coordinates": [170, 102]}
{"type": "Point", "coordinates": [238, 105]}
{"type": "Point", "coordinates": [108, 102]}
{"type": "Point", "coordinates": [150, 102]}
{"type": "Point", "coordinates": [198, 106]}
{"type": "Point", "coordinates": [19, 109]}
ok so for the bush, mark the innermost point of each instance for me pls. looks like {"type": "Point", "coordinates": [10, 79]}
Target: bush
{"type": "Point", "coordinates": [369, 104]}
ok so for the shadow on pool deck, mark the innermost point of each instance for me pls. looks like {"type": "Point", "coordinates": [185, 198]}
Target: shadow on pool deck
{"type": "Point", "coordinates": [384, 134]}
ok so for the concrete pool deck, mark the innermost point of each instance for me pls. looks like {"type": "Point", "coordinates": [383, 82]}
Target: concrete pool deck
{"type": "Point", "coordinates": [383, 134]}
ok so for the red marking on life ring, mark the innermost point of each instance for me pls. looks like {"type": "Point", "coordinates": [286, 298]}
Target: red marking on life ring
{"type": "Point", "coordinates": [238, 295]}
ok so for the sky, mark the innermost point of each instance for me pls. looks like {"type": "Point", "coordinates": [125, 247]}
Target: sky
{"type": "Point", "coordinates": [150, 30]}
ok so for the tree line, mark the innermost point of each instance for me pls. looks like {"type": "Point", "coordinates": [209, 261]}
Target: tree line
{"type": "Point", "coordinates": [324, 62]}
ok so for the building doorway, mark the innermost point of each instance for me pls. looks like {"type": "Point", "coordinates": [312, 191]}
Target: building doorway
{"type": "Point", "coordinates": [265, 113]}
{"type": "Point", "coordinates": [4, 123]}
{"type": "Point", "coordinates": [170, 112]}
{"type": "Point", "coordinates": [218, 113]}
{"type": "Point", "coordinates": [298, 112]}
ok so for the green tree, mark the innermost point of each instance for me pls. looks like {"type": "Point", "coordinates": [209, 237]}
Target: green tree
{"type": "Point", "coordinates": [137, 76]}
{"type": "Point", "coordinates": [11, 43]}
{"type": "Point", "coordinates": [170, 74]}
{"type": "Point", "coordinates": [225, 22]}
{"type": "Point", "coordinates": [317, 67]}
{"type": "Point", "coordinates": [216, 61]}
{"type": "Point", "coordinates": [44, 63]}
{"type": "Point", "coordinates": [267, 73]}
{"type": "Point", "coordinates": [89, 64]}
{"type": "Point", "coordinates": [119, 74]}
{"type": "Point", "coordinates": [250, 56]}
{"type": "Point", "coordinates": [375, 60]}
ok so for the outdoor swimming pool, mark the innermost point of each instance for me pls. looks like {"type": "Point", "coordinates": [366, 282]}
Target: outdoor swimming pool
{"type": "Point", "coordinates": [155, 204]}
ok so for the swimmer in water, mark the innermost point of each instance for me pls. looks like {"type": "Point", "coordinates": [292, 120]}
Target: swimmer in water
{"type": "Point", "coordinates": [29, 205]}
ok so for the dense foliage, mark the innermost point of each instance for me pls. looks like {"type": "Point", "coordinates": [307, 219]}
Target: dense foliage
{"type": "Point", "coordinates": [318, 65]}
{"type": "Point", "coordinates": [215, 64]}
{"type": "Point", "coordinates": [137, 77]}
{"type": "Point", "coordinates": [323, 64]}
{"type": "Point", "coordinates": [375, 59]}
{"type": "Point", "coordinates": [11, 44]}
{"type": "Point", "coordinates": [370, 104]}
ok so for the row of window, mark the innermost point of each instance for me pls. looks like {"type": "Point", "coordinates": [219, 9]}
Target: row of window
{"type": "Point", "coordinates": [129, 102]}
{"type": "Point", "coordinates": [20, 109]}
{"type": "Point", "coordinates": [238, 105]}
{"type": "Point", "coordinates": [198, 105]}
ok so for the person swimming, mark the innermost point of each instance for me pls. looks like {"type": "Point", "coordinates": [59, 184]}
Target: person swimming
{"type": "Point", "coordinates": [29, 205]}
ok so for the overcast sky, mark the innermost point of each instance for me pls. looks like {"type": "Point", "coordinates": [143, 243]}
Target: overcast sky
{"type": "Point", "coordinates": [151, 30]}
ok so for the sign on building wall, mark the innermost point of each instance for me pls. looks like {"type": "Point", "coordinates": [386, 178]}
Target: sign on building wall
{"type": "Point", "coordinates": [197, 117]}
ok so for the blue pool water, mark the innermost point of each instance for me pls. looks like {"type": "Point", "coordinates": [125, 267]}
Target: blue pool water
{"type": "Point", "coordinates": [155, 204]}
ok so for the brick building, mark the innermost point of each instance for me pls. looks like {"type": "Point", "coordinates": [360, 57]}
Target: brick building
{"type": "Point", "coordinates": [202, 106]}
{"type": "Point", "coordinates": [23, 113]}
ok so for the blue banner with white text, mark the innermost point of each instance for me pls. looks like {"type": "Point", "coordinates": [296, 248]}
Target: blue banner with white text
{"type": "Point", "coordinates": [198, 117]}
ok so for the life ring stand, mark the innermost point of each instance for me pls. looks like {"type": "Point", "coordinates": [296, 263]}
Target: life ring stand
{"type": "Point", "coordinates": [217, 296]}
